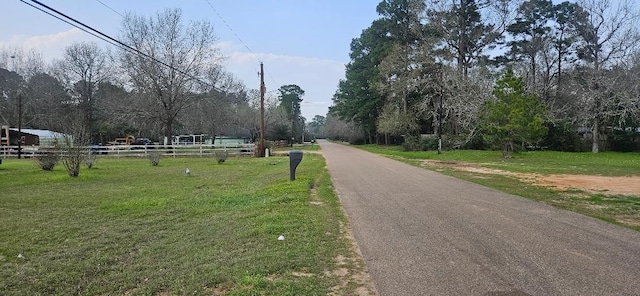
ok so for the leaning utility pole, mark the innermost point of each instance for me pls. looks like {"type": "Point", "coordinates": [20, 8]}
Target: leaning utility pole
{"type": "Point", "coordinates": [261, 146]}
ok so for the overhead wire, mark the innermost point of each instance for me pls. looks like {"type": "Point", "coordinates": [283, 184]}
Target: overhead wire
{"type": "Point", "coordinates": [107, 6]}
{"type": "Point", "coordinates": [82, 29]}
{"type": "Point", "coordinates": [118, 43]}
{"type": "Point", "coordinates": [238, 37]}
{"type": "Point", "coordinates": [231, 29]}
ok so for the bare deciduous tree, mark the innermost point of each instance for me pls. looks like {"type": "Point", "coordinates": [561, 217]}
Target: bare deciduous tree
{"type": "Point", "coordinates": [463, 103]}
{"type": "Point", "coordinates": [82, 68]}
{"type": "Point", "coordinates": [186, 52]}
{"type": "Point", "coordinates": [47, 100]}
{"type": "Point", "coordinates": [74, 145]}
{"type": "Point", "coordinates": [341, 130]}
{"type": "Point", "coordinates": [608, 32]}
{"type": "Point", "coordinates": [27, 64]}
{"type": "Point", "coordinates": [216, 110]}
{"type": "Point", "coordinates": [11, 86]}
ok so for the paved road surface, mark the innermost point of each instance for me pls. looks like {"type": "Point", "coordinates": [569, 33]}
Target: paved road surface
{"type": "Point", "coordinates": [423, 233]}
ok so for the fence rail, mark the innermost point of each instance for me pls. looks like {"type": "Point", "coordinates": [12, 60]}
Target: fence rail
{"type": "Point", "coordinates": [118, 151]}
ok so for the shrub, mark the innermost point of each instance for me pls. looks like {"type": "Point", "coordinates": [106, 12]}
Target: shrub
{"type": "Point", "coordinates": [47, 160]}
{"type": "Point", "coordinates": [221, 156]}
{"type": "Point", "coordinates": [624, 140]}
{"type": "Point", "coordinates": [356, 141]}
{"type": "Point", "coordinates": [563, 136]}
{"type": "Point", "coordinates": [91, 159]}
{"type": "Point", "coordinates": [74, 146]}
{"type": "Point", "coordinates": [418, 143]}
{"type": "Point", "coordinates": [154, 157]}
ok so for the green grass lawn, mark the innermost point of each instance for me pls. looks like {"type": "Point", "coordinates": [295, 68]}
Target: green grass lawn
{"type": "Point", "coordinates": [622, 210]}
{"type": "Point", "coordinates": [304, 147]}
{"type": "Point", "coordinates": [542, 162]}
{"type": "Point", "coordinates": [126, 227]}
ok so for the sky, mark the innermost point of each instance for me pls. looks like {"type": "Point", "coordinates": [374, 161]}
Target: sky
{"type": "Point", "coordinates": [302, 42]}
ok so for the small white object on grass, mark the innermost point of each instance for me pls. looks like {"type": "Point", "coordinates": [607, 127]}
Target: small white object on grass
{"type": "Point", "coordinates": [187, 171]}
{"type": "Point", "coordinates": [281, 237]}
{"type": "Point", "coordinates": [20, 256]}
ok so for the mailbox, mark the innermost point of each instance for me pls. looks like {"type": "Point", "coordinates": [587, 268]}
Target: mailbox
{"type": "Point", "coordinates": [295, 157]}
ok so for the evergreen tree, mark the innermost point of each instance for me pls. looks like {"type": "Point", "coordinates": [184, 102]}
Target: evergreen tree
{"type": "Point", "coordinates": [531, 33]}
{"type": "Point", "coordinates": [514, 116]}
{"type": "Point", "coordinates": [464, 32]}
{"type": "Point", "coordinates": [358, 99]}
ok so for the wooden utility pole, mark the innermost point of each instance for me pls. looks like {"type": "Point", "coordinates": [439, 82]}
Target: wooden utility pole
{"type": "Point", "coordinates": [293, 131]}
{"type": "Point", "coordinates": [19, 126]}
{"type": "Point", "coordinates": [261, 146]}
{"type": "Point", "coordinates": [441, 86]}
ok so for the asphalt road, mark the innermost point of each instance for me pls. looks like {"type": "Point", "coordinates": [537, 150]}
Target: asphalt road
{"type": "Point", "coordinates": [424, 233]}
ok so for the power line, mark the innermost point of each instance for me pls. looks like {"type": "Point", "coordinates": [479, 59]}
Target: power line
{"type": "Point", "coordinates": [231, 29]}
{"type": "Point", "coordinates": [107, 6]}
{"type": "Point", "coordinates": [238, 37]}
{"type": "Point", "coordinates": [118, 42]}
{"type": "Point", "coordinates": [83, 29]}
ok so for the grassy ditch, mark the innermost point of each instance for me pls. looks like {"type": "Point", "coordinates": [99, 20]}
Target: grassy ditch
{"type": "Point", "coordinates": [619, 209]}
{"type": "Point", "coordinates": [128, 228]}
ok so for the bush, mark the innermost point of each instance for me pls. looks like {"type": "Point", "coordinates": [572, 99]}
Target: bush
{"type": "Point", "coordinates": [154, 157]}
{"type": "Point", "coordinates": [563, 136]}
{"type": "Point", "coordinates": [91, 159]}
{"type": "Point", "coordinates": [356, 140]}
{"type": "Point", "coordinates": [624, 140]}
{"type": "Point", "coordinates": [221, 156]}
{"type": "Point", "coordinates": [476, 142]}
{"type": "Point", "coordinates": [47, 160]}
{"type": "Point", "coordinates": [418, 143]}
{"type": "Point", "coordinates": [74, 146]}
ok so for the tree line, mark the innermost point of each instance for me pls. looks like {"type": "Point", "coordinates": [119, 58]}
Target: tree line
{"type": "Point", "coordinates": [172, 82]}
{"type": "Point", "coordinates": [434, 67]}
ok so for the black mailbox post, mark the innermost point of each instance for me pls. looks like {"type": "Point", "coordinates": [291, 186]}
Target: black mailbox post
{"type": "Point", "coordinates": [295, 157]}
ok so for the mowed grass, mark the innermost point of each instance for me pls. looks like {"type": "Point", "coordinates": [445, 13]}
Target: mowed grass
{"type": "Point", "coordinates": [542, 162]}
{"type": "Point", "coordinates": [618, 209]}
{"type": "Point", "coordinates": [125, 227]}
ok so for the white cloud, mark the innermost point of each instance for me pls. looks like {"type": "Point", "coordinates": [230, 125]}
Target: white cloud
{"type": "Point", "coordinates": [50, 45]}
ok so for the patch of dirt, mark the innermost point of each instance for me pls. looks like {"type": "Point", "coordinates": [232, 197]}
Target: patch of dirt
{"type": "Point", "coordinates": [219, 291]}
{"type": "Point", "coordinates": [628, 186]}
{"type": "Point", "coordinates": [628, 221]}
{"type": "Point", "coordinates": [351, 271]}
{"type": "Point", "coordinates": [340, 272]}
{"type": "Point", "coordinates": [302, 274]}
{"type": "Point", "coordinates": [598, 184]}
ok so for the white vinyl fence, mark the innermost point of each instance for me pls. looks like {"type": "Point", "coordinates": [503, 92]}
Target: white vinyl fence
{"type": "Point", "coordinates": [118, 151]}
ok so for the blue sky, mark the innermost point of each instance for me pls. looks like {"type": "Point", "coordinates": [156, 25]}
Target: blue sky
{"type": "Point", "coordinates": [303, 42]}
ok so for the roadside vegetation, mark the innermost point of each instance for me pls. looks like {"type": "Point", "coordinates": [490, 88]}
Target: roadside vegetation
{"type": "Point", "coordinates": [127, 227]}
{"type": "Point", "coordinates": [305, 147]}
{"type": "Point", "coordinates": [517, 174]}
{"type": "Point", "coordinates": [508, 75]}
